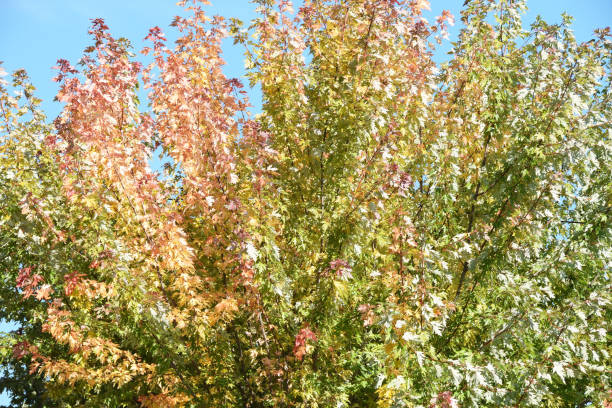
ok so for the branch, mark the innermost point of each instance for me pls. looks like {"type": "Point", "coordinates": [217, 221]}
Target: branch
{"type": "Point", "coordinates": [483, 163]}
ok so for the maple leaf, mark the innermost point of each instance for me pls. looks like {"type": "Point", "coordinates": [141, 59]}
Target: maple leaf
{"type": "Point", "coordinates": [21, 349]}
{"type": "Point", "coordinates": [342, 268]}
{"type": "Point", "coordinates": [421, 4]}
{"type": "Point", "coordinates": [301, 345]}
{"type": "Point", "coordinates": [44, 292]}
{"type": "Point", "coordinates": [71, 282]}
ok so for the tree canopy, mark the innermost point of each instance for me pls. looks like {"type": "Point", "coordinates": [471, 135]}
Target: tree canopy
{"type": "Point", "coordinates": [388, 232]}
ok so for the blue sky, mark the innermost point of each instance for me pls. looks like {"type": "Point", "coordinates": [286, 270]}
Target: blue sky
{"type": "Point", "coordinates": [35, 33]}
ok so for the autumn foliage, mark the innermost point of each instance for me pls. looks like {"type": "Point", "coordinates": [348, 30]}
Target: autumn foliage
{"type": "Point", "coordinates": [388, 231]}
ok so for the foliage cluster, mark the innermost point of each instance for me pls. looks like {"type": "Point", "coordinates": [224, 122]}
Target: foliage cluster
{"type": "Point", "coordinates": [388, 232]}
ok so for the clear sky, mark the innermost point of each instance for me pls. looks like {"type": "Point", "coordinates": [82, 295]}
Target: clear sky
{"type": "Point", "coordinates": [35, 33]}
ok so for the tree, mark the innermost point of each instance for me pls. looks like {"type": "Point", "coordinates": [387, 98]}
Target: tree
{"type": "Point", "coordinates": [387, 232]}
